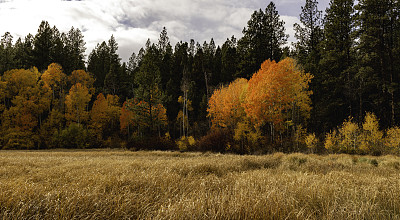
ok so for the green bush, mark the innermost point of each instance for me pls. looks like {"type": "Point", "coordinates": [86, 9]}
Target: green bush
{"type": "Point", "coordinates": [74, 136]}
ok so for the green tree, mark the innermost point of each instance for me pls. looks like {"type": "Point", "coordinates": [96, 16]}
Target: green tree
{"type": "Point", "coordinates": [74, 50]}
{"type": "Point", "coordinates": [229, 61]}
{"type": "Point", "coordinates": [377, 70]}
{"type": "Point", "coordinates": [309, 35]}
{"type": "Point", "coordinates": [24, 53]}
{"type": "Point", "coordinates": [335, 97]}
{"type": "Point", "coordinates": [148, 82]}
{"type": "Point", "coordinates": [262, 40]}
{"type": "Point", "coordinates": [7, 53]}
{"type": "Point", "coordinates": [112, 81]}
{"type": "Point", "coordinates": [99, 64]}
{"type": "Point", "coordinates": [42, 44]}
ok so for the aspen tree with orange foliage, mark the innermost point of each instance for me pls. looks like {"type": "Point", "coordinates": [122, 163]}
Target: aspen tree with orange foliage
{"type": "Point", "coordinates": [225, 107]}
{"type": "Point", "coordinates": [126, 119]}
{"type": "Point", "coordinates": [104, 115]}
{"type": "Point", "coordinates": [278, 92]}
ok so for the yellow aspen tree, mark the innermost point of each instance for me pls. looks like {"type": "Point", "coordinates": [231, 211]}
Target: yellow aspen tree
{"type": "Point", "coordinates": [76, 104]}
{"type": "Point", "coordinates": [372, 136]}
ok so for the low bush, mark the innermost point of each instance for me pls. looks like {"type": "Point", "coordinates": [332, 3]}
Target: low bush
{"type": "Point", "coordinates": [151, 143]}
{"type": "Point", "coordinates": [74, 136]}
{"type": "Point", "coordinates": [186, 143]}
{"type": "Point", "coordinates": [217, 140]}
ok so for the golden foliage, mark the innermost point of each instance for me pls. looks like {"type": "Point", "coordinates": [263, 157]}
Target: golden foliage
{"type": "Point", "coordinates": [225, 107]}
{"type": "Point", "coordinates": [350, 136]}
{"type": "Point", "coordinates": [392, 139]}
{"type": "Point", "coordinates": [54, 76]}
{"type": "Point", "coordinates": [311, 141]}
{"type": "Point", "coordinates": [372, 136]}
{"type": "Point", "coordinates": [275, 89]}
{"type": "Point", "coordinates": [76, 104]}
{"type": "Point", "coordinates": [82, 77]}
{"type": "Point", "coordinates": [104, 114]}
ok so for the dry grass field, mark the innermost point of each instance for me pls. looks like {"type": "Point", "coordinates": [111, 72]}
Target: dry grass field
{"type": "Point", "coordinates": [112, 184]}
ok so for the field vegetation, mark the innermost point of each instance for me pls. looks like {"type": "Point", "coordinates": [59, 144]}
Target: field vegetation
{"type": "Point", "coordinates": [118, 184]}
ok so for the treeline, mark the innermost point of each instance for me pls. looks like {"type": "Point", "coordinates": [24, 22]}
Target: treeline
{"type": "Point", "coordinates": [165, 91]}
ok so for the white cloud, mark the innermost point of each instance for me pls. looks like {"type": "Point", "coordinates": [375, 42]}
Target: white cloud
{"type": "Point", "coordinates": [289, 22]}
{"type": "Point", "coordinates": [132, 22]}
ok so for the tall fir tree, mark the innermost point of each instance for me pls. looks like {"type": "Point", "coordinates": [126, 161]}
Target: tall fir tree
{"type": "Point", "coordinates": [377, 73]}
{"type": "Point", "coordinates": [229, 60]}
{"type": "Point", "coordinates": [262, 40]}
{"type": "Point", "coordinates": [335, 95]}
{"type": "Point", "coordinates": [309, 36]}
{"type": "Point", "coordinates": [113, 79]}
{"type": "Point", "coordinates": [42, 45]}
{"type": "Point", "coordinates": [148, 87]}
{"type": "Point", "coordinates": [99, 64]}
{"type": "Point", "coordinates": [7, 53]}
{"type": "Point", "coordinates": [75, 50]}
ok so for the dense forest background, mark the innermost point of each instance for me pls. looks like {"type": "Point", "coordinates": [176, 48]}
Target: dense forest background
{"type": "Point", "coordinates": [52, 96]}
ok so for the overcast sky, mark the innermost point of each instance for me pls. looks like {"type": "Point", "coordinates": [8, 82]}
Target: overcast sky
{"type": "Point", "coordinates": [132, 22]}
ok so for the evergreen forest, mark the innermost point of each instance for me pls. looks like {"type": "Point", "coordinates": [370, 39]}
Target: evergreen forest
{"type": "Point", "coordinates": [336, 89]}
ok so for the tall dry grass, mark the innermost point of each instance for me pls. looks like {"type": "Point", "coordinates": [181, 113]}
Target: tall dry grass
{"type": "Point", "coordinates": [171, 185]}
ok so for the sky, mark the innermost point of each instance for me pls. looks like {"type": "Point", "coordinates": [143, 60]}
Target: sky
{"type": "Point", "coordinates": [132, 22]}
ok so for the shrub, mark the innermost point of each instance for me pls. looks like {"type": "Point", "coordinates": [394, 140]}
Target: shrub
{"type": "Point", "coordinates": [392, 140]}
{"type": "Point", "coordinates": [218, 140]}
{"type": "Point", "coordinates": [186, 143]}
{"type": "Point", "coordinates": [311, 141]}
{"type": "Point", "coordinates": [151, 143]}
{"type": "Point", "coordinates": [113, 142]}
{"type": "Point", "coordinates": [350, 136]}
{"type": "Point", "coordinates": [19, 140]}
{"type": "Point", "coordinates": [74, 136]}
{"type": "Point", "coordinates": [332, 142]}
{"type": "Point", "coordinates": [247, 137]}
{"type": "Point", "coordinates": [372, 136]}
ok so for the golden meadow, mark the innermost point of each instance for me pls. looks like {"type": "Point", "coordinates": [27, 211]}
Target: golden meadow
{"type": "Point", "coordinates": [118, 184]}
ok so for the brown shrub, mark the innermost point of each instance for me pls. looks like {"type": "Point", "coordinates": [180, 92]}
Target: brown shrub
{"type": "Point", "coordinates": [217, 140]}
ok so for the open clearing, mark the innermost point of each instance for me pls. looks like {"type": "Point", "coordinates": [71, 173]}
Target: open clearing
{"type": "Point", "coordinates": [104, 184]}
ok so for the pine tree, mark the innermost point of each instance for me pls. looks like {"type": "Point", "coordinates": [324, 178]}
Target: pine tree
{"type": "Point", "coordinates": [113, 79]}
{"type": "Point", "coordinates": [42, 46]}
{"type": "Point", "coordinates": [262, 40]}
{"type": "Point", "coordinates": [57, 52]}
{"type": "Point", "coordinates": [377, 74]}
{"type": "Point", "coordinates": [336, 97]}
{"type": "Point", "coordinates": [7, 53]}
{"type": "Point", "coordinates": [149, 91]}
{"type": "Point", "coordinates": [229, 60]}
{"type": "Point", "coordinates": [309, 35]}
{"type": "Point", "coordinates": [99, 64]}
{"type": "Point", "coordinates": [75, 50]}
